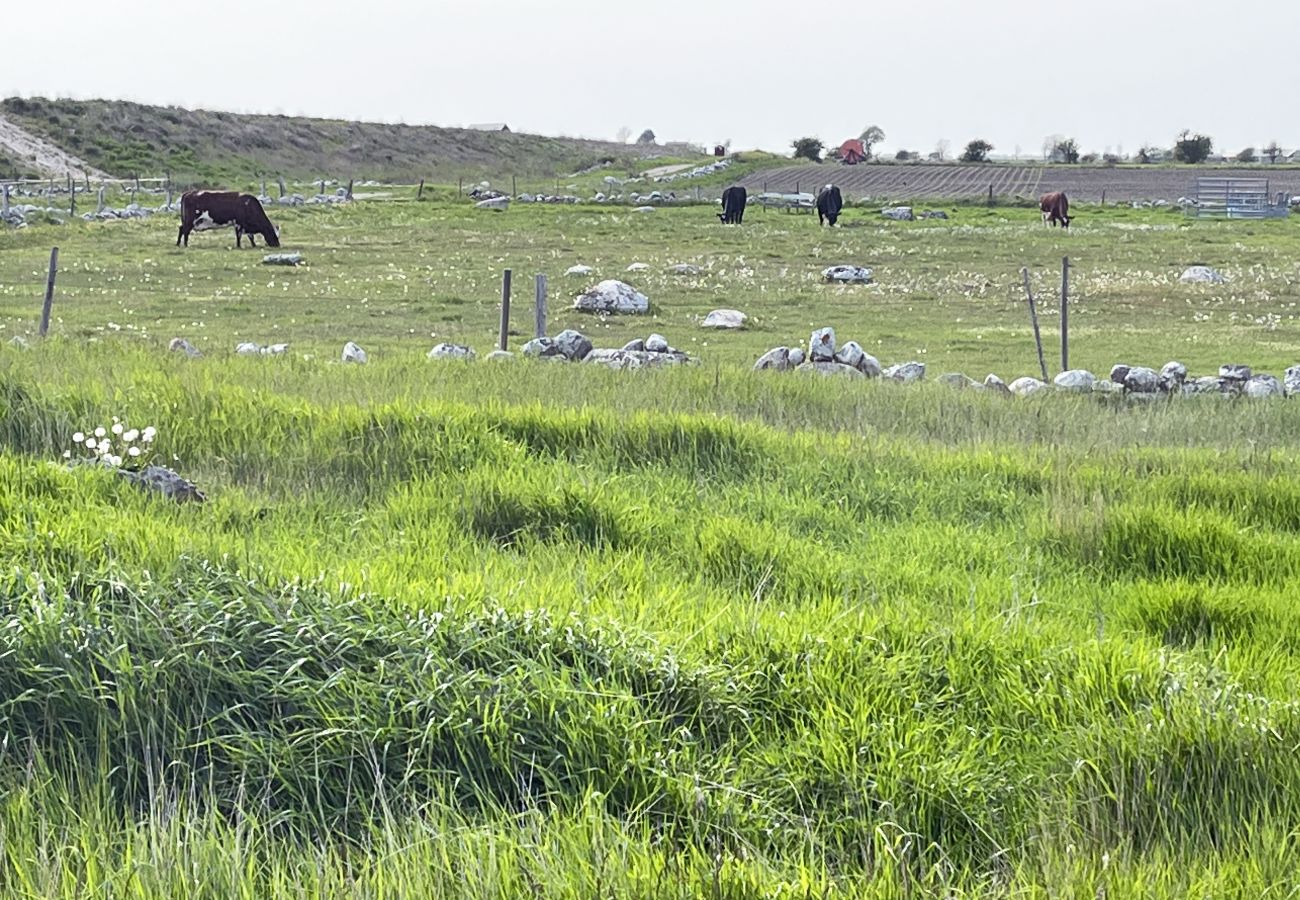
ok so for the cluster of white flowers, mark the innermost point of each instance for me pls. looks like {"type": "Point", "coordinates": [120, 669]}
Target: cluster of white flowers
{"type": "Point", "coordinates": [116, 444]}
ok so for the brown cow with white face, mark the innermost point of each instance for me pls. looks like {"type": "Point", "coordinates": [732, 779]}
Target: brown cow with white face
{"type": "Point", "coordinates": [1055, 208]}
{"type": "Point", "coordinates": [206, 210]}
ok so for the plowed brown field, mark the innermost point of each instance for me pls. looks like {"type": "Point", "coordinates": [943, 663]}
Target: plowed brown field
{"type": "Point", "coordinates": [939, 181]}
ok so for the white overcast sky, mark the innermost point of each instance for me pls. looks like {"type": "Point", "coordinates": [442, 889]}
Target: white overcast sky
{"type": "Point", "coordinates": [1113, 73]}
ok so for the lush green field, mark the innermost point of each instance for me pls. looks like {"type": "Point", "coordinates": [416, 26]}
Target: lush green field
{"type": "Point", "coordinates": [398, 277]}
{"type": "Point", "coordinates": [538, 630]}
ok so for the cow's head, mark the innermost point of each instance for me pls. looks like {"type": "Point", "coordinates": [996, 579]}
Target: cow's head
{"type": "Point", "coordinates": [273, 236]}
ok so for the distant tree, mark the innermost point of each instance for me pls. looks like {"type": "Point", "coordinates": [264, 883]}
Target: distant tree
{"type": "Point", "coordinates": [906, 156]}
{"type": "Point", "coordinates": [1049, 145]}
{"type": "Point", "coordinates": [1066, 150]}
{"type": "Point", "coordinates": [977, 151]}
{"type": "Point", "coordinates": [941, 149]}
{"type": "Point", "coordinates": [871, 135]}
{"type": "Point", "coordinates": [808, 148]}
{"type": "Point", "coordinates": [1110, 159]}
{"type": "Point", "coordinates": [623, 134]}
{"type": "Point", "coordinates": [647, 137]}
{"type": "Point", "coordinates": [1088, 158]}
{"type": "Point", "coordinates": [1150, 154]}
{"type": "Point", "coordinates": [1247, 156]}
{"type": "Point", "coordinates": [1193, 148]}
{"type": "Point", "coordinates": [1273, 151]}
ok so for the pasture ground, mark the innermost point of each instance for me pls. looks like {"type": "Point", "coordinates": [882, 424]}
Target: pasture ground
{"type": "Point", "coordinates": [465, 630]}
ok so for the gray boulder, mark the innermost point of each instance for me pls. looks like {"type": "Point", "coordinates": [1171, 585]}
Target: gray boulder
{"type": "Point", "coordinates": [847, 275]}
{"type": "Point", "coordinates": [248, 348]}
{"type": "Point", "coordinates": [352, 353]}
{"type": "Point", "coordinates": [1105, 386]}
{"type": "Point", "coordinates": [180, 345]}
{"type": "Point", "coordinates": [613, 297]}
{"type": "Point", "coordinates": [778, 359]}
{"type": "Point", "coordinates": [498, 355]}
{"type": "Point", "coordinates": [797, 356]}
{"type": "Point", "coordinates": [1172, 376]}
{"type": "Point", "coordinates": [1202, 275]}
{"type": "Point", "coordinates": [829, 369]}
{"type": "Point", "coordinates": [635, 359]}
{"type": "Point", "coordinates": [725, 318]}
{"type": "Point", "coordinates": [898, 213]}
{"type": "Point", "coordinates": [1263, 386]}
{"type": "Point", "coordinates": [1292, 382]}
{"type": "Point", "coordinates": [637, 344]}
{"type": "Point", "coordinates": [1119, 372]}
{"type": "Point", "coordinates": [685, 269]}
{"type": "Point", "coordinates": [496, 204]}
{"type": "Point", "coordinates": [1235, 372]}
{"type": "Point", "coordinates": [579, 270]}
{"type": "Point", "coordinates": [996, 385]}
{"type": "Point", "coordinates": [541, 348]}
{"type": "Point", "coordinates": [821, 346]}
{"type": "Point", "coordinates": [1141, 380]}
{"type": "Point", "coordinates": [573, 345]}
{"type": "Point", "coordinates": [958, 382]}
{"type": "Point", "coordinates": [1027, 387]}
{"type": "Point", "coordinates": [905, 373]}
{"type": "Point", "coordinates": [657, 343]}
{"type": "Point", "coordinates": [1077, 381]}
{"type": "Point", "coordinates": [1206, 385]}
{"type": "Point", "coordinates": [451, 351]}
{"type": "Point", "coordinates": [282, 259]}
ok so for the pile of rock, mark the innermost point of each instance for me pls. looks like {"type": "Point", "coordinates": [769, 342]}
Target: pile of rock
{"type": "Point", "coordinates": [825, 357]}
{"type": "Point", "coordinates": [249, 348]}
{"type": "Point", "coordinates": [1140, 383]}
{"type": "Point", "coordinates": [451, 351]}
{"type": "Point", "coordinates": [574, 346]}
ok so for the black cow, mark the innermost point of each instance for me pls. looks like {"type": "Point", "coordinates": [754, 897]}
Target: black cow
{"type": "Point", "coordinates": [205, 210]}
{"type": "Point", "coordinates": [733, 205]}
{"type": "Point", "coordinates": [829, 204]}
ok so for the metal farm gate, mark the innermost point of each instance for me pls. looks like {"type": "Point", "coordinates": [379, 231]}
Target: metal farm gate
{"type": "Point", "coordinates": [1238, 198]}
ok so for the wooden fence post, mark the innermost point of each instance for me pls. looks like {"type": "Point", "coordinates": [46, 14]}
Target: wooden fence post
{"type": "Point", "coordinates": [505, 311]}
{"type": "Point", "coordinates": [282, 190]}
{"type": "Point", "coordinates": [514, 187]}
{"type": "Point", "coordinates": [539, 310]}
{"type": "Point", "coordinates": [419, 195]}
{"type": "Point", "coordinates": [49, 291]}
{"type": "Point", "coordinates": [990, 195]}
{"type": "Point", "coordinates": [349, 195]}
{"type": "Point", "coordinates": [4, 202]}
{"type": "Point", "coordinates": [72, 203]}
{"type": "Point", "coordinates": [1065, 313]}
{"type": "Point", "coordinates": [322, 185]}
{"type": "Point", "coordinates": [1033, 318]}
{"type": "Point", "coordinates": [100, 207]}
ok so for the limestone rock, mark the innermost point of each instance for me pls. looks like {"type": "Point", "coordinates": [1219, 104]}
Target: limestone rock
{"type": "Point", "coordinates": [1027, 386]}
{"type": "Point", "coordinates": [1292, 382]}
{"type": "Point", "coordinates": [847, 275]}
{"type": "Point", "coordinates": [579, 270]}
{"type": "Point", "coordinates": [829, 369]}
{"type": "Point", "coordinates": [1202, 275]}
{"type": "Point", "coordinates": [497, 204]}
{"type": "Point", "coordinates": [638, 267]}
{"type": "Point", "coordinates": [1264, 386]}
{"type": "Point", "coordinates": [637, 344]}
{"type": "Point", "coordinates": [1119, 372]}
{"type": "Point", "coordinates": [821, 346]}
{"type": "Point", "coordinates": [797, 356]}
{"type": "Point", "coordinates": [898, 213]}
{"type": "Point", "coordinates": [1172, 376]}
{"type": "Point", "coordinates": [635, 359]}
{"type": "Point", "coordinates": [685, 269]}
{"type": "Point", "coordinates": [613, 297]}
{"type": "Point", "coordinates": [180, 345]}
{"type": "Point", "coordinates": [996, 385]}
{"type": "Point", "coordinates": [657, 343]}
{"type": "Point", "coordinates": [1141, 380]}
{"type": "Point", "coordinates": [541, 348]}
{"type": "Point", "coordinates": [1077, 381]}
{"type": "Point", "coordinates": [451, 351]}
{"type": "Point", "coordinates": [778, 358]}
{"type": "Point", "coordinates": [1235, 372]}
{"type": "Point", "coordinates": [905, 373]}
{"type": "Point", "coordinates": [352, 353]}
{"type": "Point", "coordinates": [573, 345]}
{"type": "Point", "coordinates": [282, 259]}
{"type": "Point", "coordinates": [248, 348]}
{"type": "Point", "coordinates": [958, 382]}
{"type": "Point", "coordinates": [725, 318]}
{"type": "Point", "coordinates": [166, 482]}
{"type": "Point", "coordinates": [498, 355]}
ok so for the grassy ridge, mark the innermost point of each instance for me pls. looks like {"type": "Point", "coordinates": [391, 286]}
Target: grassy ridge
{"type": "Point", "coordinates": [887, 641]}
{"type": "Point", "coordinates": [213, 148]}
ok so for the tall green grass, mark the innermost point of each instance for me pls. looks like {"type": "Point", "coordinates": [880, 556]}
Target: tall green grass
{"type": "Point", "coordinates": [809, 640]}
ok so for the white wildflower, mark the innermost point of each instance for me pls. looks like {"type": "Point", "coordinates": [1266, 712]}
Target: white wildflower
{"type": "Point", "coordinates": [78, 437]}
{"type": "Point", "coordinates": [90, 443]}
{"type": "Point", "coordinates": [134, 451]}
{"type": "Point", "coordinates": [117, 426]}
{"type": "Point", "coordinates": [100, 432]}
{"type": "Point", "coordinates": [131, 435]}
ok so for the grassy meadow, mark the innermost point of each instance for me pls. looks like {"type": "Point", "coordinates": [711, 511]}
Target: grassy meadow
{"type": "Point", "coordinates": [474, 630]}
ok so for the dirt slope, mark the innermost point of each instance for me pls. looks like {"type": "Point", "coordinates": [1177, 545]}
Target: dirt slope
{"type": "Point", "coordinates": [40, 156]}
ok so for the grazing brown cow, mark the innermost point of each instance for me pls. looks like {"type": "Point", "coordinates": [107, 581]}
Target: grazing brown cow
{"type": "Point", "coordinates": [205, 210]}
{"type": "Point", "coordinates": [1056, 208]}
